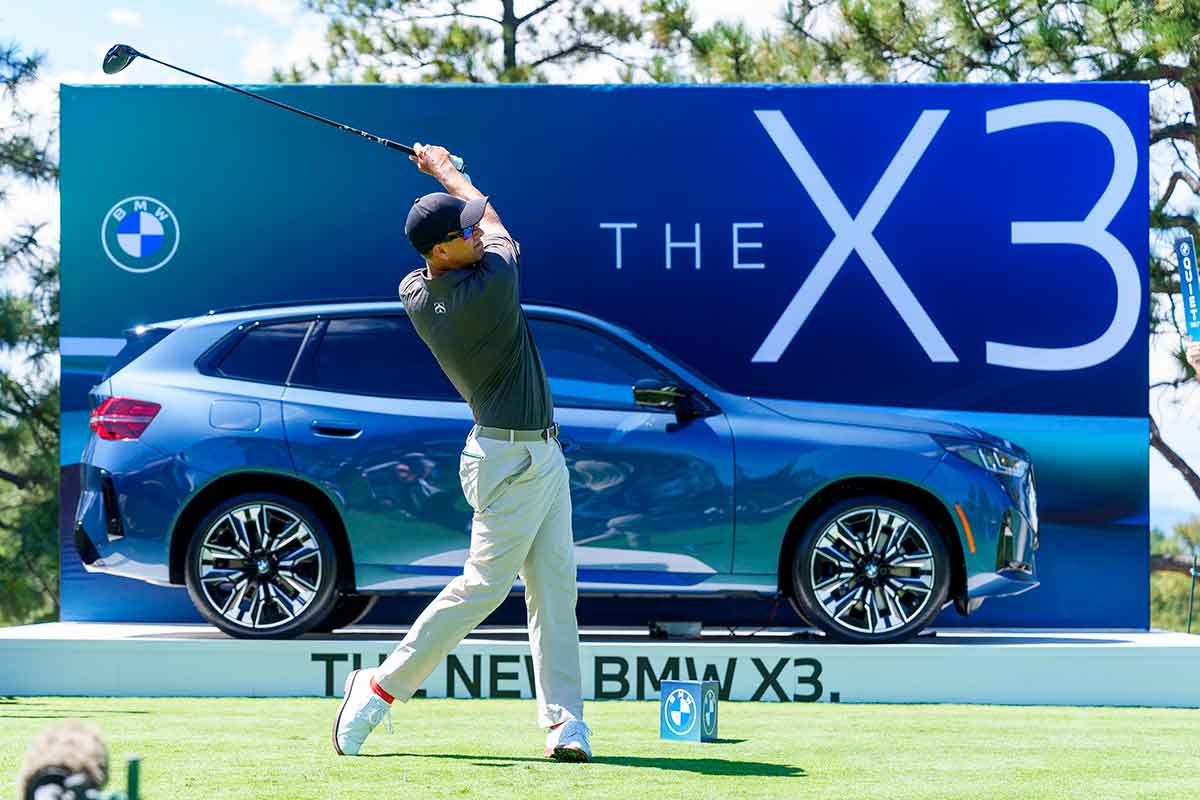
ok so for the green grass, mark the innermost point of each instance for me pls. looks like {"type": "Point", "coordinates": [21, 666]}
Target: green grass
{"type": "Point", "coordinates": [249, 748]}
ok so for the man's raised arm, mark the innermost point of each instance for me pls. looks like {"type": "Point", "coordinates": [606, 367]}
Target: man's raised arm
{"type": "Point", "coordinates": [435, 162]}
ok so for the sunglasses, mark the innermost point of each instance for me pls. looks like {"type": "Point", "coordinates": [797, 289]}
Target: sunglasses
{"type": "Point", "coordinates": [465, 233]}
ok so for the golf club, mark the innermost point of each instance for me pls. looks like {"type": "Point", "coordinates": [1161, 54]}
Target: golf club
{"type": "Point", "coordinates": [120, 56]}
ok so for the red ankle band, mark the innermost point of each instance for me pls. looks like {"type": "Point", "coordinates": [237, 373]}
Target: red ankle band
{"type": "Point", "coordinates": [552, 727]}
{"type": "Point", "coordinates": [377, 689]}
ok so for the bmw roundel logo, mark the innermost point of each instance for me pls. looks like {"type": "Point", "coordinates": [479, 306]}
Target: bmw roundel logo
{"type": "Point", "coordinates": [709, 712]}
{"type": "Point", "coordinates": [680, 712]}
{"type": "Point", "coordinates": [140, 234]}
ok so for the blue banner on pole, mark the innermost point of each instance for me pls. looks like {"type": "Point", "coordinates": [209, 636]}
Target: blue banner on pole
{"type": "Point", "coordinates": [1185, 254]}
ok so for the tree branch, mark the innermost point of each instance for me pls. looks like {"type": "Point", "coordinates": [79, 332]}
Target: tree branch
{"type": "Point", "coordinates": [1173, 458]}
{"type": "Point", "coordinates": [1164, 221]}
{"type": "Point", "coordinates": [1192, 182]}
{"type": "Point", "coordinates": [536, 11]}
{"type": "Point", "coordinates": [566, 51]}
{"type": "Point", "coordinates": [1160, 562]}
{"type": "Point", "coordinates": [16, 480]}
{"type": "Point", "coordinates": [53, 595]}
{"type": "Point", "coordinates": [1180, 130]}
{"type": "Point", "coordinates": [394, 18]}
{"type": "Point", "coordinates": [1152, 72]}
{"type": "Point", "coordinates": [1182, 158]}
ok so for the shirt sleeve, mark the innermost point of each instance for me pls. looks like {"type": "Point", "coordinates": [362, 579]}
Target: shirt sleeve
{"type": "Point", "coordinates": [405, 291]}
{"type": "Point", "coordinates": [504, 247]}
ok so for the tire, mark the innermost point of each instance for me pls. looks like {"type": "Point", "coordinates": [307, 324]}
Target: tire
{"type": "Point", "coordinates": [347, 611]}
{"type": "Point", "coordinates": [886, 592]}
{"type": "Point", "coordinates": [254, 589]}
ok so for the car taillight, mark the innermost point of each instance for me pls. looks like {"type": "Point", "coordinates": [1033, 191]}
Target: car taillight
{"type": "Point", "coordinates": [123, 418]}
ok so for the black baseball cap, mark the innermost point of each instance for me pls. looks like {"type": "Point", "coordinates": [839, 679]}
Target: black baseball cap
{"type": "Point", "coordinates": [435, 216]}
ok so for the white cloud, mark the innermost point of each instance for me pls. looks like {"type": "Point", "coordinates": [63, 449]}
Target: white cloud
{"type": "Point", "coordinates": [234, 32]}
{"type": "Point", "coordinates": [306, 40]}
{"type": "Point", "coordinates": [282, 12]}
{"type": "Point", "coordinates": [123, 16]}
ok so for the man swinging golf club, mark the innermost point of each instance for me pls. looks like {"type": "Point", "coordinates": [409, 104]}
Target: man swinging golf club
{"type": "Point", "coordinates": [465, 304]}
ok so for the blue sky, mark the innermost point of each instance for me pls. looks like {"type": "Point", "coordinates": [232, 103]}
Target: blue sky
{"type": "Point", "coordinates": [236, 40]}
{"type": "Point", "coordinates": [239, 41]}
{"type": "Point", "coordinates": [233, 39]}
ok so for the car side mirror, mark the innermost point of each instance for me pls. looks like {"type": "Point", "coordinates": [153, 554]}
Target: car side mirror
{"type": "Point", "coordinates": [657, 393]}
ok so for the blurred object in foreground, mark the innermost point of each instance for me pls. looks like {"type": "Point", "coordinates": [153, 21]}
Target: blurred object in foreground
{"type": "Point", "coordinates": [69, 761]}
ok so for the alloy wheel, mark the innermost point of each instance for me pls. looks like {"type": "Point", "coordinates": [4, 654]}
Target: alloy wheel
{"type": "Point", "coordinates": [260, 566]}
{"type": "Point", "coordinates": [872, 570]}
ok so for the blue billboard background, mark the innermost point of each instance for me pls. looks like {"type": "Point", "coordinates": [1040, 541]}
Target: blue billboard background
{"type": "Point", "coordinates": [973, 253]}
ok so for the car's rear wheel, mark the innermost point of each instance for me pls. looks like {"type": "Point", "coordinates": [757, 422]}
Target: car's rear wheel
{"type": "Point", "coordinates": [262, 565]}
{"type": "Point", "coordinates": [870, 570]}
{"type": "Point", "coordinates": [347, 611]}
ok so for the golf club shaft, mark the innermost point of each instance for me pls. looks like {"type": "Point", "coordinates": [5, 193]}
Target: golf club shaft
{"type": "Point", "coordinates": [458, 162]}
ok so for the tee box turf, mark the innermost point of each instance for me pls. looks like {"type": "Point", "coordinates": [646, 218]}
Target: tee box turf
{"type": "Point", "coordinates": [688, 711]}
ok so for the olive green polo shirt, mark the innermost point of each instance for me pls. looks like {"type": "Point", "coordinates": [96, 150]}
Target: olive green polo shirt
{"type": "Point", "coordinates": [473, 323]}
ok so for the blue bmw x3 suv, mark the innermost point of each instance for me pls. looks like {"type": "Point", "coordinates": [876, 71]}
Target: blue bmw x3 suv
{"type": "Point", "coordinates": [289, 464]}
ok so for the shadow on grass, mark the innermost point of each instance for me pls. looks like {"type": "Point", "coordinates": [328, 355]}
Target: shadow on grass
{"type": "Point", "coordinates": [60, 714]}
{"type": "Point", "coordinates": [704, 766]}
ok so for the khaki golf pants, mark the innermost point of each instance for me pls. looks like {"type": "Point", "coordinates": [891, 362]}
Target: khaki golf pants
{"type": "Point", "coordinates": [520, 493]}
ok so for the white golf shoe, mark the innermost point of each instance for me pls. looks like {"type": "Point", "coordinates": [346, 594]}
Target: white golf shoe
{"type": "Point", "coordinates": [569, 741]}
{"type": "Point", "coordinates": [360, 712]}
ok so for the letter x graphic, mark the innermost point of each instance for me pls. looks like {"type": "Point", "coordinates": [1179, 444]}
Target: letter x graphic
{"type": "Point", "coordinates": [853, 235]}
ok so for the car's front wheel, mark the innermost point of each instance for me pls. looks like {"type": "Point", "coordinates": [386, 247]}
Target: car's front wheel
{"type": "Point", "coordinates": [870, 570]}
{"type": "Point", "coordinates": [262, 565]}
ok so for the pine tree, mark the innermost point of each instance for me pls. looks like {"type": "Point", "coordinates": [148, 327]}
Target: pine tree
{"type": "Point", "coordinates": [473, 41]}
{"type": "Point", "coordinates": [29, 409]}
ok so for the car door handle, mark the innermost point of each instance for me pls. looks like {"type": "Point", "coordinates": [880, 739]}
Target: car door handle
{"type": "Point", "coordinates": [337, 430]}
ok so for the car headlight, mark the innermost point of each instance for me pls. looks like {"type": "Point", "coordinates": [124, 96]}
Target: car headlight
{"type": "Point", "coordinates": [981, 455]}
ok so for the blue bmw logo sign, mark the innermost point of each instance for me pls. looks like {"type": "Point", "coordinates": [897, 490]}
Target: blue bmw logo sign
{"type": "Point", "coordinates": [679, 712]}
{"type": "Point", "coordinates": [140, 234]}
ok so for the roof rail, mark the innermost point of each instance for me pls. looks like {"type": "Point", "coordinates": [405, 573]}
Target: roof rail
{"type": "Point", "coordinates": [324, 301]}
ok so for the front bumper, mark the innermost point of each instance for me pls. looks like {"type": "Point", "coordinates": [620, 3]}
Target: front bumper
{"type": "Point", "coordinates": [996, 520]}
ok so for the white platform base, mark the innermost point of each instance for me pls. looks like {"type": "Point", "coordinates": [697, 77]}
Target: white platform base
{"type": "Point", "coordinates": [960, 666]}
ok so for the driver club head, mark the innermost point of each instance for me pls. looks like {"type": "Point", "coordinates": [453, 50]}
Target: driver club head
{"type": "Point", "coordinates": [118, 57]}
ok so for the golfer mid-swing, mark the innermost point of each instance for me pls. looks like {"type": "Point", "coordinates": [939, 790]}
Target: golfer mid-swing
{"type": "Point", "coordinates": [465, 304]}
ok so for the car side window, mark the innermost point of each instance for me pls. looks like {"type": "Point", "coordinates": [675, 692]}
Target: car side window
{"type": "Point", "coordinates": [265, 353]}
{"type": "Point", "coordinates": [380, 356]}
{"type": "Point", "coordinates": [588, 369]}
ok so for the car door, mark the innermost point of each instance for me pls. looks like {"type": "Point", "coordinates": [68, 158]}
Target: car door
{"type": "Point", "coordinates": [372, 419]}
{"type": "Point", "coordinates": [652, 496]}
